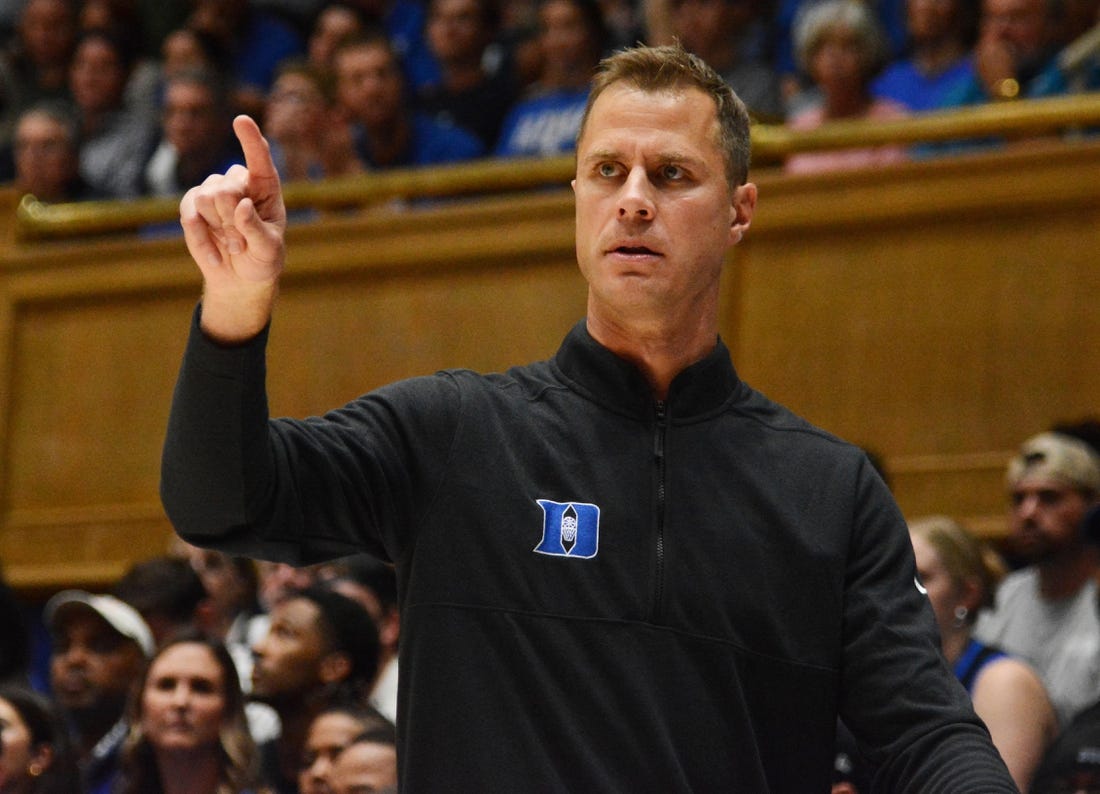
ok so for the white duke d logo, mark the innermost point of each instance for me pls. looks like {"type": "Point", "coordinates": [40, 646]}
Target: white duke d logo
{"type": "Point", "coordinates": [569, 529]}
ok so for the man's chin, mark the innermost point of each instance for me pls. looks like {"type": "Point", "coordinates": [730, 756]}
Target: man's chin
{"type": "Point", "coordinates": [1027, 550]}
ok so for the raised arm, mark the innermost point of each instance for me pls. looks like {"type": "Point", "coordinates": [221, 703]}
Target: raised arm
{"type": "Point", "coordinates": [234, 225]}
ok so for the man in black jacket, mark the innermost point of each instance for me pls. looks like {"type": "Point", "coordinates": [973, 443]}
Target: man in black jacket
{"type": "Point", "coordinates": [621, 569]}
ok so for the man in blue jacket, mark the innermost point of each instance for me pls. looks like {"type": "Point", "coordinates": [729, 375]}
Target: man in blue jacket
{"type": "Point", "coordinates": [621, 569]}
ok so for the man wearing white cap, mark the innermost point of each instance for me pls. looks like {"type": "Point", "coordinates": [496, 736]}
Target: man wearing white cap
{"type": "Point", "coordinates": [100, 645]}
{"type": "Point", "coordinates": [1046, 613]}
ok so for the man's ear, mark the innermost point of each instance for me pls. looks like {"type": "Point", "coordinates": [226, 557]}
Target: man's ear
{"type": "Point", "coordinates": [742, 208]}
{"type": "Point", "coordinates": [335, 666]}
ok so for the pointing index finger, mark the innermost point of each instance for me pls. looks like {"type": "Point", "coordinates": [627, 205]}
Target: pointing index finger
{"type": "Point", "coordinates": [257, 154]}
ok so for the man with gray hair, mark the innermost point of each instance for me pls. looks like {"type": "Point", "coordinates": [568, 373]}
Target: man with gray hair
{"type": "Point", "coordinates": [1045, 612]}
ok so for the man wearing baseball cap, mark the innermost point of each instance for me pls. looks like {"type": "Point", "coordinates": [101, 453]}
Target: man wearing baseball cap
{"type": "Point", "coordinates": [1046, 612]}
{"type": "Point", "coordinates": [100, 645]}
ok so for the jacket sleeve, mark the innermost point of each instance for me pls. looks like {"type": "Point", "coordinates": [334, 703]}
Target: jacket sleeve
{"type": "Point", "coordinates": [900, 700]}
{"type": "Point", "coordinates": [298, 491]}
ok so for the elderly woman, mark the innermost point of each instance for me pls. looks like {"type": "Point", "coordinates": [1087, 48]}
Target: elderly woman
{"type": "Point", "coordinates": [841, 46]}
{"type": "Point", "coordinates": [189, 734]}
{"type": "Point", "coordinates": [35, 755]}
{"type": "Point", "coordinates": [961, 575]}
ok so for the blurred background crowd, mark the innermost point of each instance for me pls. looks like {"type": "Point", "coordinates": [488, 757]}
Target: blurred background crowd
{"type": "Point", "coordinates": [115, 99]}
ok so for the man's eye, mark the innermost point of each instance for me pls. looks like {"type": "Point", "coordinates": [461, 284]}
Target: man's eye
{"type": "Point", "coordinates": [607, 169]}
{"type": "Point", "coordinates": [672, 172]}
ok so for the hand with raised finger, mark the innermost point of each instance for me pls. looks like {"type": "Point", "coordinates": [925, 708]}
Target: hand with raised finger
{"type": "Point", "coordinates": [234, 226]}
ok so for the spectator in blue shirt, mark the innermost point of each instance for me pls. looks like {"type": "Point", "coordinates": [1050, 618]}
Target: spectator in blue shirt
{"type": "Point", "coordinates": [941, 35]}
{"type": "Point", "coordinates": [370, 89]}
{"type": "Point", "coordinates": [545, 122]}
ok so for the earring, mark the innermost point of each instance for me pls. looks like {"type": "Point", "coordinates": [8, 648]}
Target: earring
{"type": "Point", "coordinates": [960, 616]}
{"type": "Point", "coordinates": [35, 769]}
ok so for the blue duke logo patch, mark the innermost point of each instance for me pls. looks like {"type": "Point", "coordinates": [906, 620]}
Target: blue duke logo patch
{"type": "Point", "coordinates": [569, 529]}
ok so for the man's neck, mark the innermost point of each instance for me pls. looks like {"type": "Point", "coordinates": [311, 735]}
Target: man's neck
{"type": "Point", "coordinates": [462, 75]}
{"type": "Point", "coordinates": [1065, 575]}
{"type": "Point", "coordinates": [388, 142]}
{"type": "Point", "coordinates": [934, 57]}
{"type": "Point", "coordinates": [660, 350]}
{"type": "Point", "coordinates": [294, 721]}
{"type": "Point", "coordinates": [92, 728]}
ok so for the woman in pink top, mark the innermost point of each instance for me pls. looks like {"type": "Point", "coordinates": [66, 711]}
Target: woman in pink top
{"type": "Point", "coordinates": [840, 44]}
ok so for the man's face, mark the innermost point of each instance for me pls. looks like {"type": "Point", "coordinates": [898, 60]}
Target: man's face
{"type": "Point", "coordinates": [563, 35]}
{"type": "Point", "coordinates": [296, 109]}
{"type": "Point", "coordinates": [931, 19]}
{"type": "Point", "coordinates": [328, 735]}
{"type": "Point", "coordinates": [288, 658]}
{"type": "Point", "coordinates": [278, 580]}
{"type": "Point", "coordinates": [365, 767]}
{"type": "Point", "coordinates": [1045, 518]}
{"type": "Point", "coordinates": [93, 666]}
{"type": "Point", "coordinates": [47, 28]}
{"type": "Point", "coordinates": [334, 26]}
{"type": "Point", "coordinates": [655, 213]}
{"type": "Point", "coordinates": [1020, 24]}
{"type": "Point", "coordinates": [97, 76]}
{"type": "Point", "coordinates": [45, 157]}
{"type": "Point", "coordinates": [191, 118]}
{"type": "Point", "coordinates": [703, 25]}
{"type": "Point", "coordinates": [369, 84]}
{"type": "Point", "coordinates": [456, 31]}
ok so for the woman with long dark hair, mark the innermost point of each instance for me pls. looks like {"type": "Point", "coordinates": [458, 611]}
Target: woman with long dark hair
{"type": "Point", "coordinates": [188, 731]}
{"type": "Point", "coordinates": [35, 754]}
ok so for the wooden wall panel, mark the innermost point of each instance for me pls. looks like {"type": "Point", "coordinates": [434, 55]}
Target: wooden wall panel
{"type": "Point", "coordinates": [93, 332]}
{"type": "Point", "coordinates": [938, 313]}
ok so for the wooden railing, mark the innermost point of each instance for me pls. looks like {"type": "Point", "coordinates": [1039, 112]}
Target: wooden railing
{"type": "Point", "coordinates": [771, 145]}
{"type": "Point", "coordinates": [938, 312]}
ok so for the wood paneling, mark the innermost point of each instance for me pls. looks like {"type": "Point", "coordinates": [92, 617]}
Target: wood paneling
{"type": "Point", "coordinates": [936, 312]}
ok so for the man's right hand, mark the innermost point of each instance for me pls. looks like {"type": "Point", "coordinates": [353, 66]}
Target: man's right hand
{"type": "Point", "coordinates": [234, 225]}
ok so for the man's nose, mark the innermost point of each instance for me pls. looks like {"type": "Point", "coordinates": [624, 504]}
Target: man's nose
{"type": "Point", "coordinates": [1025, 508]}
{"type": "Point", "coordinates": [75, 656]}
{"type": "Point", "coordinates": [636, 197]}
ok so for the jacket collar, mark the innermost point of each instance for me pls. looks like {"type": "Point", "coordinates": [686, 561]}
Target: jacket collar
{"type": "Point", "coordinates": [615, 383]}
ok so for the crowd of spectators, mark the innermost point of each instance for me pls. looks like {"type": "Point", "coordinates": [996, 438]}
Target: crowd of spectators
{"type": "Point", "coordinates": [116, 99]}
{"type": "Point", "coordinates": [201, 673]}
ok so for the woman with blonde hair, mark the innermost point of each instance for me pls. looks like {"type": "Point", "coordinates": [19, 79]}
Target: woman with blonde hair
{"type": "Point", "coordinates": [188, 730]}
{"type": "Point", "coordinates": [961, 575]}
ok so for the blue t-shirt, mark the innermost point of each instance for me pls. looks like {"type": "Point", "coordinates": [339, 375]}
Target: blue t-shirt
{"type": "Point", "coordinates": [404, 23]}
{"type": "Point", "coordinates": [430, 143]}
{"type": "Point", "coordinates": [543, 125]}
{"type": "Point", "coordinates": [908, 86]}
{"type": "Point", "coordinates": [265, 43]}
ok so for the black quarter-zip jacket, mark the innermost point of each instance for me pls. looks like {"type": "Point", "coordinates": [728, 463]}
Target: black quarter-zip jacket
{"type": "Point", "coordinates": [599, 592]}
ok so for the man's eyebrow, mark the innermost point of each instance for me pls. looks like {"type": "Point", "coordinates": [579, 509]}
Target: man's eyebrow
{"type": "Point", "coordinates": [599, 155]}
{"type": "Point", "coordinates": [679, 158]}
{"type": "Point", "coordinates": [674, 157]}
